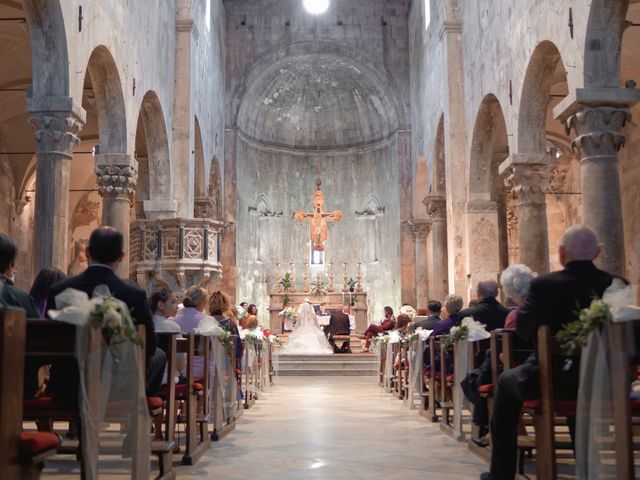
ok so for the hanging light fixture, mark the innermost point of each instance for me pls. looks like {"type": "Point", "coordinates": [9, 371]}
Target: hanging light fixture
{"type": "Point", "coordinates": [316, 7]}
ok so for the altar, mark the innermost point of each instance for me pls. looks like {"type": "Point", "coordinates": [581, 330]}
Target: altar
{"type": "Point", "coordinates": [332, 300]}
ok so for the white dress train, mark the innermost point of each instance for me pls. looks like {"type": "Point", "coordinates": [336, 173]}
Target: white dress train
{"type": "Point", "coordinates": [307, 337]}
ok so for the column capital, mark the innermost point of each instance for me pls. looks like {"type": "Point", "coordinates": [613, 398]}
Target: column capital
{"type": "Point", "coordinates": [420, 229]}
{"type": "Point", "coordinates": [527, 181]}
{"type": "Point", "coordinates": [436, 207]}
{"type": "Point", "coordinates": [56, 132]}
{"type": "Point", "coordinates": [116, 175]}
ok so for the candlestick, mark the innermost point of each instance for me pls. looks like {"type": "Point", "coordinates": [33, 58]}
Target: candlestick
{"type": "Point", "coordinates": [345, 287]}
{"type": "Point", "coordinates": [277, 278]}
{"type": "Point", "coordinates": [306, 278]}
{"type": "Point", "coordinates": [331, 289]}
{"type": "Point", "coordinates": [359, 287]}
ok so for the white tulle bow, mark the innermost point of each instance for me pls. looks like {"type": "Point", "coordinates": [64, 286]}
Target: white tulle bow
{"type": "Point", "coordinates": [424, 334]}
{"type": "Point", "coordinates": [620, 297]}
{"type": "Point", "coordinates": [75, 306]}
{"type": "Point", "coordinates": [477, 330]}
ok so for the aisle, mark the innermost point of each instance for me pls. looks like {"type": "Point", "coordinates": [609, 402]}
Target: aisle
{"type": "Point", "coordinates": [334, 428]}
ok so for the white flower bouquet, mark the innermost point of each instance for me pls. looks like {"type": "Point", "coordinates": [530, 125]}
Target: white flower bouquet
{"type": "Point", "coordinates": [408, 310]}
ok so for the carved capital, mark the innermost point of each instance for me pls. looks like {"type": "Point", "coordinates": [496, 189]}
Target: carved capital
{"type": "Point", "coordinates": [598, 130]}
{"type": "Point", "coordinates": [528, 182]}
{"type": "Point", "coordinates": [420, 229]}
{"type": "Point", "coordinates": [56, 132]}
{"type": "Point", "coordinates": [116, 175]}
{"type": "Point", "coordinates": [436, 207]}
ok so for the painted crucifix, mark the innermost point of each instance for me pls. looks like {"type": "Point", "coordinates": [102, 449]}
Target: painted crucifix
{"type": "Point", "coordinates": [318, 219]}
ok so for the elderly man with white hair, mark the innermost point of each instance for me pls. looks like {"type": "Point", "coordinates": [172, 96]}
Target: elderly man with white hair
{"type": "Point", "coordinates": [554, 300]}
{"type": "Point", "coordinates": [515, 281]}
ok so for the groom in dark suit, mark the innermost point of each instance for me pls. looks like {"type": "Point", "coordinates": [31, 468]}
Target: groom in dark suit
{"type": "Point", "coordinates": [105, 252]}
{"type": "Point", "coordinates": [339, 325]}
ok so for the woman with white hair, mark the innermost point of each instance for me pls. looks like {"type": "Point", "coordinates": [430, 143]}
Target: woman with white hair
{"type": "Point", "coordinates": [515, 281]}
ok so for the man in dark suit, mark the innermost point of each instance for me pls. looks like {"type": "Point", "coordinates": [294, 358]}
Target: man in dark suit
{"type": "Point", "coordinates": [104, 253]}
{"type": "Point", "coordinates": [488, 311]}
{"type": "Point", "coordinates": [9, 294]}
{"type": "Point", "coordinates": [554, 300]}
{"type": "Point", "coordinates": [339, 325]}
{"type": "Point", "coordinates": [434, 307]}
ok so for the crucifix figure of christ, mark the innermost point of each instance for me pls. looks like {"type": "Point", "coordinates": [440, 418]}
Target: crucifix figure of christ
{"type": "Point", "coordinates": [318, 219]}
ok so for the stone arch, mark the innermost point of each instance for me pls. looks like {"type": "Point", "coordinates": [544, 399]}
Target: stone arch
{"type": "Point", "coordinates": [421, 187]}
{"type": "Point", "coordinates": [603, 43]}
{"type": "Point", "coordinates": [215, 188]}
{"type": "Point", "coordinates": [106, 84]}
{"type": "Point", "coordinates": [199, 176]}
{"type": "Point", "coordinates": [49, 54]}
{"type": "Point", "coordinates": [487, 238]}
{"type": "Point", "coordinates": [152, 154]}
{"type": "Point", "coordinates": [489, 148]}
{"type": "Point", "coordinates": [545, 70]}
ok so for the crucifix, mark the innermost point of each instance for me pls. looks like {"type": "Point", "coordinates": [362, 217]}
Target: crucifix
{"type": "Point", "coordinates": [318, 218]}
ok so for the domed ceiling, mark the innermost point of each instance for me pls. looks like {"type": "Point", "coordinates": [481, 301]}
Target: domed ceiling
{"type": "Point", "coordinates": [317, 101]}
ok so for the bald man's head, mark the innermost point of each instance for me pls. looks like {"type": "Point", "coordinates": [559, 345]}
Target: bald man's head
{"type": "Point", "coordinates": [579, 243]}
{"type": "Point", "coordinates": [487, 288]}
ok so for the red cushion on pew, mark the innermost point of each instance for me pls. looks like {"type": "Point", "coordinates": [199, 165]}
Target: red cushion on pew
{"type": "Point", "coordinates": [38, 403]}
{"type": "Point", "coordinates": [37, 442]}
{"type": "Point", "coordinates": [635, 405]}
{"type": "Point", "coordinates": [562, 408]}
{"type": "Point", "coordinates": [488, 388]}
{"type": "Point", "coordinates": [154, 402]}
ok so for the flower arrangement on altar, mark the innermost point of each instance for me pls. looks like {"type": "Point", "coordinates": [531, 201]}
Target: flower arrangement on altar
{"type": "Point", "coordinates": [290, 313]}
{"type": "Point", "coordinates": [408, 310]}
{"type": "Point", "coordinates": [318, 287]}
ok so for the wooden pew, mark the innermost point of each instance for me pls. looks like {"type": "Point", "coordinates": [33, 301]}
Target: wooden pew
{"type": "Point", "coordinates": [48, 340]}
{"type": "Point", "coordinates": [22, 454]}
{"type": "Point", "coordinates": [381, 366]}
{"type": "Point", "coordinates": [547, 409]}
{"type": "Point", "coordinates": [431, 383]}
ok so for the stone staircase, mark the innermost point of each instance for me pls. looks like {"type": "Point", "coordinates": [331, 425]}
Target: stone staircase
{"type": "Point", "coordinates": [343, 365]}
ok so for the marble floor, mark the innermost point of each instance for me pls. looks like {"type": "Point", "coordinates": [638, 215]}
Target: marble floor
{"type": "Point", "coordinates": [334, 428]}
{"type": "Point", "coordinates": [327, 428]}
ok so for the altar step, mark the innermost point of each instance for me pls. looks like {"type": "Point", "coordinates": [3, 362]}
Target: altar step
{"type": "Point", "coordinates": [342, 365]}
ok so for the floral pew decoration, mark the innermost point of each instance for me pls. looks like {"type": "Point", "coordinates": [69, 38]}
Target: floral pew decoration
{"type": "Point", "coordinates": [415, 345]}
{"type": "Point", "coordinates": [112, 378]}
{"type": "Point", "coordinates": [605, 335]}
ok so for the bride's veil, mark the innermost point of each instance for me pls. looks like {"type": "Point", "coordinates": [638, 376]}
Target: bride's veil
{"type": "Point", "coordinates": [306, 315]}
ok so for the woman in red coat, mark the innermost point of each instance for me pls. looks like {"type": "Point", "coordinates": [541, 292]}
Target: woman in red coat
{"type": "Point", "coordinates": [387, 324]}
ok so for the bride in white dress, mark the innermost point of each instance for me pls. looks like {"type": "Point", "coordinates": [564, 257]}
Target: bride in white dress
{"type": "Point", "coordinates": [307, 338]}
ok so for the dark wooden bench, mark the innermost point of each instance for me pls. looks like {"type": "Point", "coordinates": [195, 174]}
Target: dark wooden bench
{"type": "Point", "coordinates": [22, 454]}
{"type": "Point", "coordinates": [430, 382]}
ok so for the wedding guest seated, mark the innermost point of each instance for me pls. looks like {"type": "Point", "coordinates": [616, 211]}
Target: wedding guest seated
{"type": "Point", "coordinates": [488, 311]}
{"type": "Point", "coordinates": [252, 323]}
{"type": "Point", "coordinates": [192, 316]}
{"type": "Point", "coordinates": [403, 324]}
{"type": "Point", "coordinates": [434, 308]}
{"type": "Point", "coordinates": [554, 299]}
{"type": "Point", "coordinates": [105, 253]}
{"type": "Point", "coordinates": [164, 305]}
{"type": "Point", "coordinates": [38, 375]}
{"type": "Point", "coordinates": [251, 310]}
{"type": "Point", "coordinates": [387, 324]}
{"type": "Point", "coordinates": [515, 281]}
{"type": "Point", "coordinates": [453, 306]}
{"type": "Point", "coordinates": [10, 295]}
{"type": "Point", "coordinates": [43, 282]}
{"type": "Point", "coordinates": [227, 316]}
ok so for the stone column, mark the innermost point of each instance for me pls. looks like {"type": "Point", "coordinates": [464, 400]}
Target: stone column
{"type": "Point", "coordinates": [56, 133]}
{"type": "Point", "coordinates": [420, 230]}
{"type": "Point", "coordinates": [116, 175]}
{"type": "Point", "coordinates": [598, 138]}
{"type": "Point", "coordinates": [439, 274]}
{"type": "Point", "coordinates": [597, 116]}
{"type": "Point", "coordinates": [528, 178]}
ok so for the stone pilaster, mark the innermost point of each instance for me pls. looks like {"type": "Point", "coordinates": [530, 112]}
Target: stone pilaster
{"type": "Point", "coordinates": [117, 175]}
{"type": "Point", "coordinates": [483, 257]}
{"type": "Point", "coordinates": [439, 276]}
{"type": "Point", "coordinates": [528, 179]}
{"type": "Point", "coordinates": [420, 230]}
{"type": "Point", "coordinates": [56, 134]}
